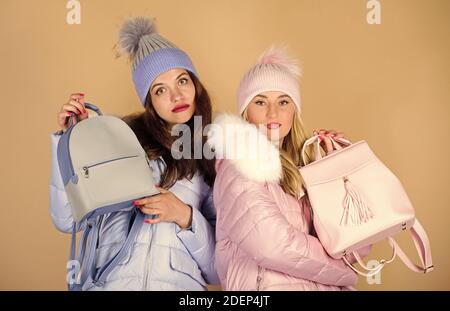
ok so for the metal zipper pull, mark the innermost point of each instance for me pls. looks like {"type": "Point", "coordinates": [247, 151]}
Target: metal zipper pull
{"type": "Point", "coordinates": [86, 172]}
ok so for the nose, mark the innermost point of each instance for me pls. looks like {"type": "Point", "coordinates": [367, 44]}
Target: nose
{"type": "Point", "coordinates": [175, 95]}
{"type": "Point", "coordinates": [272, 111]}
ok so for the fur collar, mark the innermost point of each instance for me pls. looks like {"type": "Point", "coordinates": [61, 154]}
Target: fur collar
{"type": "Point", "coordinates": [248, 149]}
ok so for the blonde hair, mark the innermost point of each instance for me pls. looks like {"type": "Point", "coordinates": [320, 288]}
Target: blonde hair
{"type": "Point", "coordinates": [290, 156]}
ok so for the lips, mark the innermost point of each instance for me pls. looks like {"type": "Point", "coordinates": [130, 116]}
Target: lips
{"type": "Point", "coordinates": [180, 108]}
{"type": "Point", "coordinates": [273, 125]}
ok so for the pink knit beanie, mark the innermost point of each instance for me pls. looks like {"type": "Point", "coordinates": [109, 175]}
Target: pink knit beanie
{"type": "Point", "coordinates": [274, 71]}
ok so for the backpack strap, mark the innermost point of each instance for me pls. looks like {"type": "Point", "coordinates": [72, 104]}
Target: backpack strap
{"type": "Point", "coordinates": [103, 272]}
{"type": "Point", "coordinates": [77, 285]}
{"type": "Point", "coordinates": [73, 244]}
{"type": "Point", "coordinates": [90, 233]}
{"type": "Point", "coordinates": [422, 244]}
{"type": "Point", "coordinates": [88, 267]}
{"type": "Point", "coordinates": [375, 270]}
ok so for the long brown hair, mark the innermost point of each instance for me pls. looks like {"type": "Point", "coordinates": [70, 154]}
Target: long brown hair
{"type": "Point", "coordinates": [154, 136]}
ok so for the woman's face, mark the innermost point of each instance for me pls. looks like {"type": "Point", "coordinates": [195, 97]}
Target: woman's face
{"type": "Point", "coordinates": [274, 112]}
{"type": "Point", "coordinates": [173, 96]}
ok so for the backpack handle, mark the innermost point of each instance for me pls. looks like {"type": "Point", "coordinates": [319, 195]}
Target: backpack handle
{"type": "Point", "coordinates": [93, 108]}
{"type": "Point", "coordinates": [316, 141]}
{"type": "Point", "coordinates": [73, 119]}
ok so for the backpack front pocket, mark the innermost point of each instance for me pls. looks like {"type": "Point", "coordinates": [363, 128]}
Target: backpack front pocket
{"type": "Point", "coordinates": [117, 180]}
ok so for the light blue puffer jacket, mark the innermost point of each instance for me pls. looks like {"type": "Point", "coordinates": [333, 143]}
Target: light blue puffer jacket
{"type": "Point", "coordinates": [164, 256]}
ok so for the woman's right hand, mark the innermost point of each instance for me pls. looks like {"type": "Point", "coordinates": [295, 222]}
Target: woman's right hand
{"type": "Point", "coordinates": [75, 106]}
{"type": "Point", "coordinates": [325, 140]}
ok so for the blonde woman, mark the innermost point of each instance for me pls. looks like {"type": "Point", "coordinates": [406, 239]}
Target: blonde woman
{"type": "Point", "coordinates": [265, 239]}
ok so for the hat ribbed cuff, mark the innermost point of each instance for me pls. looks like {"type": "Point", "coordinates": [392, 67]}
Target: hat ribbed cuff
{"type": "Point", "coordinates": [264, 78]}
{"type": "Point", "coordinates": [154, 64]}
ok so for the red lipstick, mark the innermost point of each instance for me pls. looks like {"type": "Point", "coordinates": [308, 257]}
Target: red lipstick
{"type": "Point", "coordinates": [180, 108]}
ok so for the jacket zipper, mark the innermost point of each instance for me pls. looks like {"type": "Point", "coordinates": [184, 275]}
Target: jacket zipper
{"type": "Point", "coordinates": [259, 278]}
{"type": "Point", "coordinates": [147, 263]}
{"type": "Point", "coordinates": [147, 256]}
{"type": "Point", "coordinates": [87, 167]}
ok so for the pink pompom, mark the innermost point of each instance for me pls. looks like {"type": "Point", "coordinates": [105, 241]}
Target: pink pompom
{"type": "Point", "coordinates": [278, 56]}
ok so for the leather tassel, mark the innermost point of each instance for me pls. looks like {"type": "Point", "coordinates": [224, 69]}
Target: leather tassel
{"type": "Point", "coordinates": [356, 211]}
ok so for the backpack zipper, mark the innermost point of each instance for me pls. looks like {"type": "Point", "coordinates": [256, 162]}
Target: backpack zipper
{"type": "Point", "coordinates": [87, 167]}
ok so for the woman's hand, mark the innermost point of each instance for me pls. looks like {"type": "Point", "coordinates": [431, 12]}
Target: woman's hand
{"type": "Point", "coordinates": [167, 207]}
{"type": "Point", "coordinates": [325, 141]}
{"type": "Point", "coordinates": [75, 106]}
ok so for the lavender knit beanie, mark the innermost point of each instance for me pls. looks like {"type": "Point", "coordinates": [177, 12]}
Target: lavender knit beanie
{"type": "Point", "coordinates": [274, 71]}
{"type": "Point", "coordinates": [150, 54]}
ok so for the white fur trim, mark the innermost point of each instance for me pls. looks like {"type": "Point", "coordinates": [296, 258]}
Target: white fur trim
{"type": "Point", "coordinates": [246, 147]}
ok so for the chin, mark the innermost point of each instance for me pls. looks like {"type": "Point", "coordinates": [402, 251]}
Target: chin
{"type": "Point", "coordinates": [275, 137]}
{"type": "Point", "coordinates": [182, 117]}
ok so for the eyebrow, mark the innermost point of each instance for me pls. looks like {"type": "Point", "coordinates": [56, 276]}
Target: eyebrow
{"type": "Point", "coordinates": [281, 96]}
{"type": "Point", "coordinates": [158, 84]}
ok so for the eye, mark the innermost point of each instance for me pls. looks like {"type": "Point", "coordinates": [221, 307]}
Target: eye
{"type": "Point", "coordinates": [260, 103]}
{"type": "Point", "coordinates": [284, 103]}
{"type": "Point", "coordinates": [183, 81]}
{"type": "Point", "coordinates": [159, 91]}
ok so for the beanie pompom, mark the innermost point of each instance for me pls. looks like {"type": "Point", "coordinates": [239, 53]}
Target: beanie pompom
{"type": "Point", "coordinates": [131, 33]}
{"type": "Point", "coordinates": [278, 56]}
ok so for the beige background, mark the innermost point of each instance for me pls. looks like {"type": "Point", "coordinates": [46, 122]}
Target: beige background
{"type": "Point", "coordinates": [387, 84]}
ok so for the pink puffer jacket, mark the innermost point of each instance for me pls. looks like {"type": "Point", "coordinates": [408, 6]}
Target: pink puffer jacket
{"type": "Point", "coordinates": [263, 235]}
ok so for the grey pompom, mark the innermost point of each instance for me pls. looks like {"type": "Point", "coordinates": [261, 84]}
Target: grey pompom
{"type": "Point", "coordinates": [131, 33]}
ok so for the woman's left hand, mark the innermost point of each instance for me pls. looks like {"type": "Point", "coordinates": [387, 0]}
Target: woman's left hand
{"type": "Point", "coordinates": [325, 142]}
{"type": "Point", "coordinates": [168, 207]}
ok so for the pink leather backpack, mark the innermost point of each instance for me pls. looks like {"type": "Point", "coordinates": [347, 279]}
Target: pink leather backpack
{"type": "Point", "coordinates": [357, 201]}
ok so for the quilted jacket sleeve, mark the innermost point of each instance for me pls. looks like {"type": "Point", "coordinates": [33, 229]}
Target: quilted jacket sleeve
{"type": "Point", "coordinates": [199, 239]}
{"type": "Point", "coordinates": [253, 221]}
